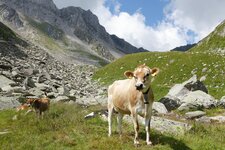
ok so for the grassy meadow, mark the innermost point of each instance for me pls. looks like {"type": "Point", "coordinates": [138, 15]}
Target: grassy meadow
{"type": "Point", "coordinates": [64, 127]}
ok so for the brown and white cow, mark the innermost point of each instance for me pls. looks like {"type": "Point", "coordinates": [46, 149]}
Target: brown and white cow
{"type": "Point", "coordinates": [132, 96]}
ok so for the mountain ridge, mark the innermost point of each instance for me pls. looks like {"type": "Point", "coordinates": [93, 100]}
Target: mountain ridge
{"type": "Point", "coordinates": [79, 25]}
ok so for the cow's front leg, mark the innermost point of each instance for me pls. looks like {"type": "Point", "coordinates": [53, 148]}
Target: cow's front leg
{"type": "Point", "coordinates": [147, 124]}
{"type": "Point", "coordinates": [147, 129]}
{"type": "Point", "coordinates": [136, 128]}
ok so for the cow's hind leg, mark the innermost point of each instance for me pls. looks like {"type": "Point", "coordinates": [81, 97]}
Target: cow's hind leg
{"type": "Point", "coordinates": [110, 111]}
{"type": "Point", "coordinates": [136, 128]}
{"type": "Point", "coordinates": [119, 121]}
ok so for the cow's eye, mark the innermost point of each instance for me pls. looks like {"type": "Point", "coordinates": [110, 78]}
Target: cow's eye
{"type": "Point", "coordinates": [147, 75]}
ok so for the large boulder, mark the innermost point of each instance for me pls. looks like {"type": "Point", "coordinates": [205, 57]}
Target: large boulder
{"type": "Point", "coordinates": [159, 108]}
{"type": "Point", "coordinates": [4, 81]}
{"type": "Point", "coordinates": [197, 99]}
{"type": "Point", "coordinates": [8, 102]}
{"type": "Point", "coordinates": [177, 94]}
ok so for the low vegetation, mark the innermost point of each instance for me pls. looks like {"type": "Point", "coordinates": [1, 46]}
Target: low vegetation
{"type": "Point", "coordinates": [175, 67]}
{"type": "Point", "coordinates": [64, 127]}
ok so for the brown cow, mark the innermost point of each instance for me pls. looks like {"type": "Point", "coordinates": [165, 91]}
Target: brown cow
{"type": "Point", "coordinates": [132, 96]}
{"type": "Point", "coordinates": [39, 104]}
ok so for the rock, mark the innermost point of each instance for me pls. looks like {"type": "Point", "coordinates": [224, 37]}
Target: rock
{"type": "Point", "coordinates": [178, 91]}
{"type": "Point", "coordinates": [29, 83]}
{"type": "Point", "coordinates": [15, 89]}
{"type": "Point", "coordinates": [5, 81]}
{"type": "Point", "coordinates": [170, 103]}
{"type": "Point", "coordinates": [199, 99]}
{"type": "Point", "coordinates": [215, 119]}
{"type": "Point", "coordinates": [204, 69]}
{"type": "Point", "coordinates": [63, 91]}
{"type": "Point", "coordinates": [87, 101]}
{"type": "Point", "coordinates": [159, 108]}
{"type": "Point", "coordinates": [43, 87]}
{"type": "Point", "coordinates": [189, 106]}
{"type": "Point", "coordinates": [8, 102]}
{"type": "Point", "coordinates": [203, 78]}
{"type": "Point", "coordinates": [35, 92]}
{"type": "Point", "coordinates": [193, 84]}
{"type": "Point", "coordinates": [61, 99]}
{"type": "Point", "coordinates": [164, 125]}
{"type": "Point", "coordinates": [91, 115]}
{"type": "Point", "coordinates": [221, 102]}
{"type": "Point", "coordinates": [194, 114]}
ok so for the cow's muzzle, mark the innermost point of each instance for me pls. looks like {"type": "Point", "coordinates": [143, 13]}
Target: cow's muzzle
{"type": "Point", "coordinates": [139, 86]}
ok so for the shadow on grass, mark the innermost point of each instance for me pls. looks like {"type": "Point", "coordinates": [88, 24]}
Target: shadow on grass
{"type": "Point", "coordinates": [158, 138]}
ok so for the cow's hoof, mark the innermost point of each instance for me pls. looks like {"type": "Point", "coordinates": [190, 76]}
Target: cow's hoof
{"type": "Point", "coordinates": [136, 143]}
{"type": "Point", "coordinates": [149, 143]}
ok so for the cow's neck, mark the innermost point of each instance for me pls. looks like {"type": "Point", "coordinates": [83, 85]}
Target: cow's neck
{"type": "Point", "coordinates": [146, 94]}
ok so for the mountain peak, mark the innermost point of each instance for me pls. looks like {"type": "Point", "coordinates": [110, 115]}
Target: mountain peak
{"type": "Point", "coordinates": [49, 4]}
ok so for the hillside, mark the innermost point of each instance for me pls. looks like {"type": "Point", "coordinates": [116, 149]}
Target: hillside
{"type": "Point", "coordinates": [206, 59]}
{"type": "Point", "coordinates": [175, 67]}
{"type": "Point", "coordinates": [214, 42]}
{"type": "Point", "coordinates": [71, 34]}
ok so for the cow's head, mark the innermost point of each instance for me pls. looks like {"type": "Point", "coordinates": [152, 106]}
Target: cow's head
{"type": "Point", "coordinates": [142, 76]}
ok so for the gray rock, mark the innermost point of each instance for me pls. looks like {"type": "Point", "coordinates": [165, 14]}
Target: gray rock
{"type": "Point", "coordinates": [215, 119]}
{"type": "Point", "coordinates": [5, 81]}
{"type": "Point", "coordinates": [159, 108]}
{"type": "Point", "coordinates": [8, 102]}
{"type": "Point", "coordinates": [35, 92]}
{"type": "Point", "coordinates": [200, 99]}
{"type": "Point", "coordinates": [170, 103]}
{"type": "Point", "coordinates": [194, 114]}
{"type": "Point", "coordinates": [221, 102]}
{"type": "Point", "coordinates": [164, 125]}
{"type": "Point", "coordinates": [16, 89]}
{"type": "Point", "coordinates": [178, 91]}
{"type": "Point", "coordinates": [61, 99]}
{"type": "Point", "coordinates": [29, 83]}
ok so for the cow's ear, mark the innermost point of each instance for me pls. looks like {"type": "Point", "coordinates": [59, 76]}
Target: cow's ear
{"type": "Point", "coordinates": [129, 74]}
{"type": "Point", "coordinates": [154, 71]}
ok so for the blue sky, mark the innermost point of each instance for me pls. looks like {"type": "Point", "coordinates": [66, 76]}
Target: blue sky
{"type": "Point", "coordinates": [156, 25]}
{"type": "Point", "coordinates": [151, 9]}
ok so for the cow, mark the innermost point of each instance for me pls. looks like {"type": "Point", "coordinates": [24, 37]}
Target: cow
{"type": "Point", "coordinates": [132, 96]}
{"type": "Point", "coordinates": [40, 105]}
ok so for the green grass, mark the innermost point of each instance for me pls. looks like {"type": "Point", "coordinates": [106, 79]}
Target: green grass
{"type": "Point", "coordinates": [213, 42]}
{"type": "Point", "coordinates": [64, 127]}
{"type": "Point", "coordinates": [175, 67]}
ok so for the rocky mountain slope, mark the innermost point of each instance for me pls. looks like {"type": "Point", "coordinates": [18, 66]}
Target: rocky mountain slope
{"type": "Point", "coordinates": [28, 70]}
{"type": "Point", "coordinates": [68, 32]}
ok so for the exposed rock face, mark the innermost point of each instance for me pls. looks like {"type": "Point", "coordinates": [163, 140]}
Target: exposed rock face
{"type": "Point", "coordinates": [10, 15]}
{"type": "Point", "coordinates": [70, 21]}
{"type": "Point", "coordinates": [30, 71]}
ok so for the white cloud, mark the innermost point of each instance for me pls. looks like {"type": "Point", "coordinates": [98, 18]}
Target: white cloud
{"type": "Point", "coordinates": [181, 17]}
{"type": "Point", "coordinates": [200, 16]}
